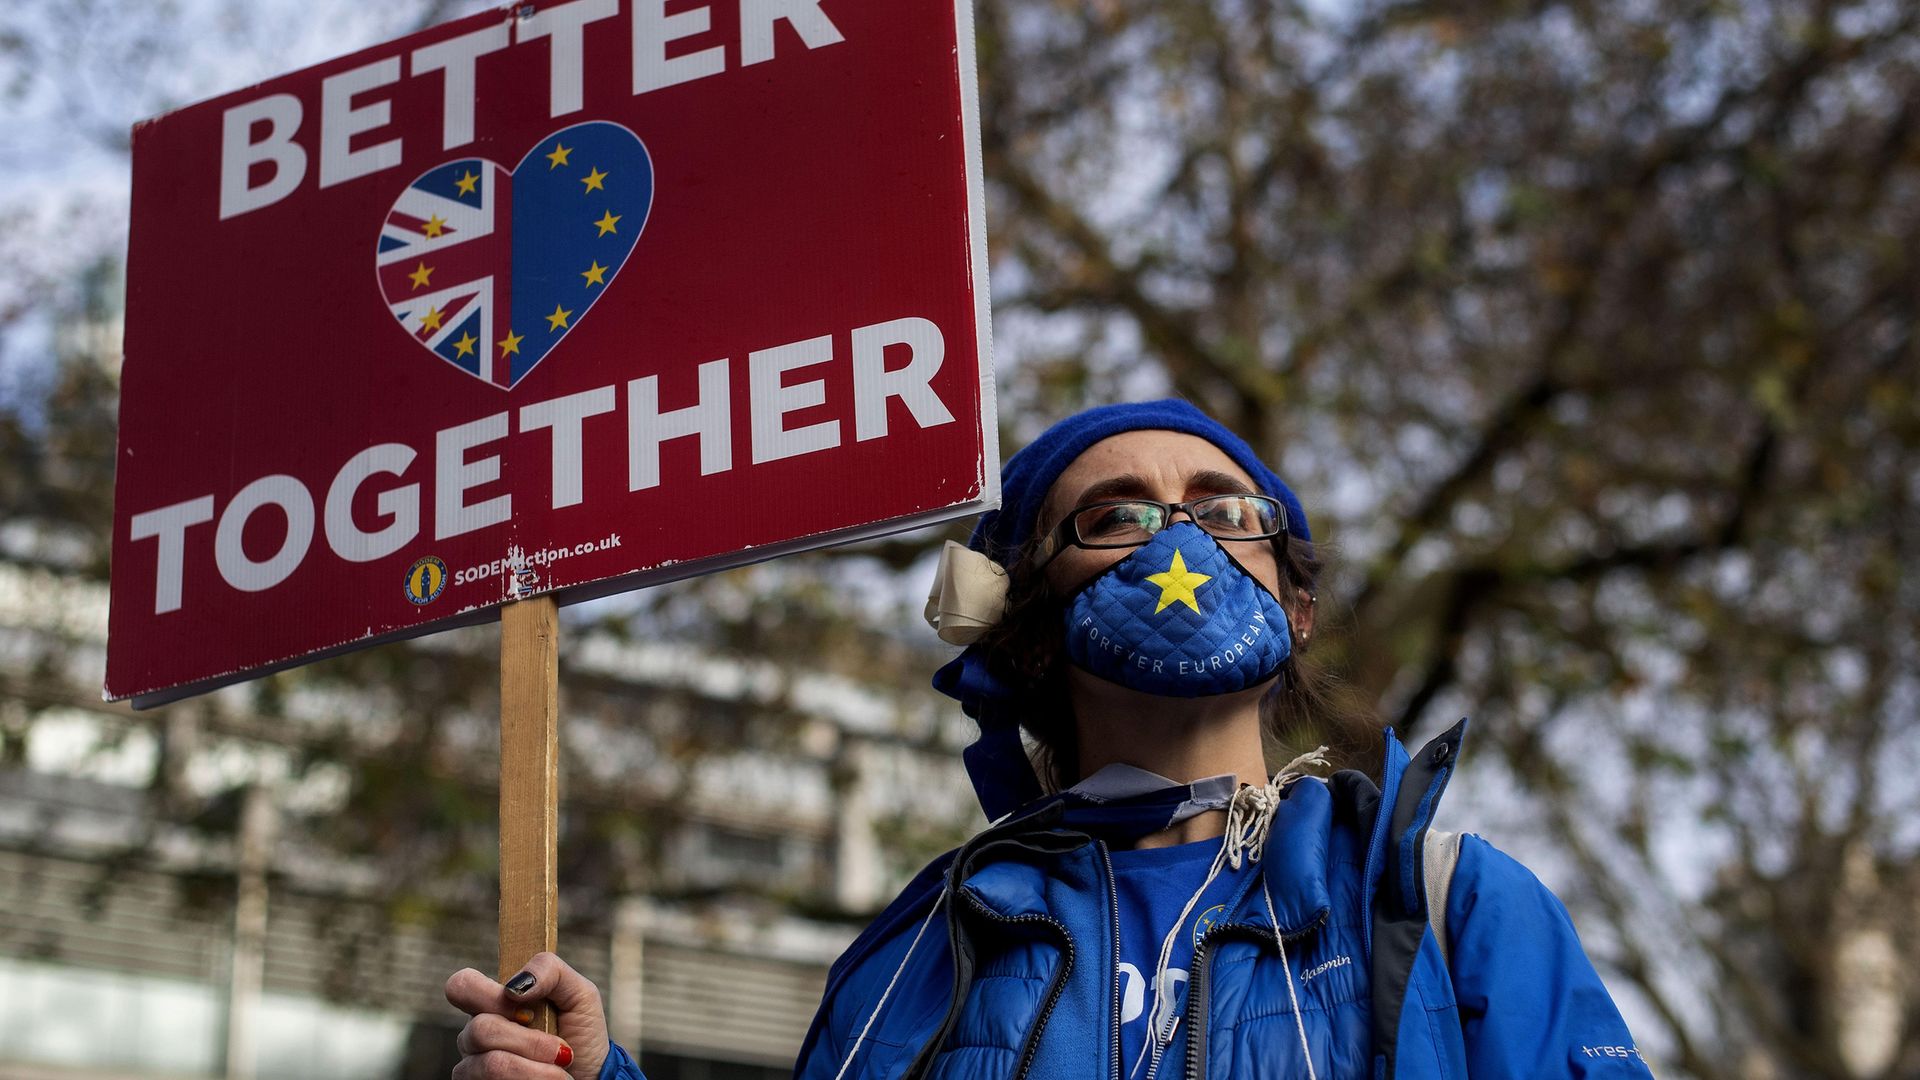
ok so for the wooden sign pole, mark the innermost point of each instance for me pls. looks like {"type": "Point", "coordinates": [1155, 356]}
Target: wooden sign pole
{"type": "Point", "coordinates": [529, 786]}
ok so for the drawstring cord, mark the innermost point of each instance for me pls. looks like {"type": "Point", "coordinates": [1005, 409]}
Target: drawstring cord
{"type": "Point", "coordinates": [1293, 999]}
{"type": "Point", "coordinates": [938, 903]}
{"type": "Point", "coordinates": [854, 1050]}
{"type": "Point", "coordinates": [1249, 822]}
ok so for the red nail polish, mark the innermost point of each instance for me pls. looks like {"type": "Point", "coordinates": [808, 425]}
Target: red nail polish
{"type": "Point", "coordinates": [565, 1057]}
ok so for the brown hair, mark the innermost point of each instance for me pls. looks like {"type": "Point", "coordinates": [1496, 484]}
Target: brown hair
{"type": "Point", "coordinates": [1308, 706]}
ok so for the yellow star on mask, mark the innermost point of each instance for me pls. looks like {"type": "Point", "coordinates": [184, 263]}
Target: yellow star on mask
{"type": "Point", "coordinates": [1177, 585]}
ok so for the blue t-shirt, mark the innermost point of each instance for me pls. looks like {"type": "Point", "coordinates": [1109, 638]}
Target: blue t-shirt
{"type": "Point", "coordinates": [1153, 886]}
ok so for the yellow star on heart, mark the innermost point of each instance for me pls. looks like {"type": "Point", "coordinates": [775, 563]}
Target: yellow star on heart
{"type": "Point", "coordinates": [558, 320]}
{"type": "Point", "coordinates": [466, 183]}
{"type": "Point", "coordinates": [510, 345]}
{"type": "Point", "coordinates": [435, 225]}
{"type": "Point", "coordinates": [1177, 585]}
{"type": "Point", "coordinates": [420, 275]}
{"type": "Point", "coordinates": [558, 157]}
{"type": "Point", "coordinates": [595, 181]}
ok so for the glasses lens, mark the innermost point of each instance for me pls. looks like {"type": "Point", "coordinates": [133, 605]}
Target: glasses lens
{"type": "Point", "coordinates": [1118, 523]}
{"type": "Point", "coordinates": [1240, 517]}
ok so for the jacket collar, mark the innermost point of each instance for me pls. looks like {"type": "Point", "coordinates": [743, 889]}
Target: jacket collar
{"type": "Point", "coordinates": [1120, 784]}
{"type": "Point", "coordinates": [1293, 865]}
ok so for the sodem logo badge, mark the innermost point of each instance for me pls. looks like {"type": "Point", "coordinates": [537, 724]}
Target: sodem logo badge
{"type": "Point", "coordinates": [425, 580]}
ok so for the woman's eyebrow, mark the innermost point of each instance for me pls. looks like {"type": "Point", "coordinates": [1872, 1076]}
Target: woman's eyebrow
{"type": "Point", "coordinates": [1215, 482]}
{"type": "Point", "coordinates": [1129, 485]}
{"type": "Point", "coordinates": [1113, 487]}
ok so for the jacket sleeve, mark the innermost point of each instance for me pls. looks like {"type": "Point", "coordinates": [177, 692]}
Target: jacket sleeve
{"type": "Point", "coordinates": [1531, 1003]}
{"type": "Point", "coordinates": [619, 1066]}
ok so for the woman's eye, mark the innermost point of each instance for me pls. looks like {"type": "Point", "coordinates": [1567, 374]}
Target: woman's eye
{"type": "Point", "coordinates": [1231, 515]}
{"type": "Point", "coordinates": [1111, 522]}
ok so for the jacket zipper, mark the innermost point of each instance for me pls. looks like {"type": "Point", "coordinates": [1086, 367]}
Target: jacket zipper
{"type": "Point", "coordinates": [1113, 912]}
{"type": "Point", "coordinates": [1199, 981]}
{"type": "Point", "coordinates": [1053, 992]}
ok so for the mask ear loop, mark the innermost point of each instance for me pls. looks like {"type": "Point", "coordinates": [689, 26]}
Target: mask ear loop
{"type": "Point", "coordinates": [1294, 641]}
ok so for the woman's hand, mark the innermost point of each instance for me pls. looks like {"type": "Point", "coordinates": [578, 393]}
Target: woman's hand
{"type": "Point", "coordinates": [497, 1045]}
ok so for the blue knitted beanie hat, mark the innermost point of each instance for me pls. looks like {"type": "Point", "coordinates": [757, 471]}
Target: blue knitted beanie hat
{"type": "Point", "coordinates": [997, 762]}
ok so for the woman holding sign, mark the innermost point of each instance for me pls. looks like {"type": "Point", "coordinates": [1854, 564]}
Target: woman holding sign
{"type": "Point", "coordinates": [1159, 893]}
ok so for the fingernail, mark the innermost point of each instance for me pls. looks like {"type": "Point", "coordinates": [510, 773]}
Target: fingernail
{"type": "Point", "coordinates": [565, 1057]}
{"type": "Point", "coordinates": [523, 1017]}
{"type": "Point", "coordinates": [520, 983]}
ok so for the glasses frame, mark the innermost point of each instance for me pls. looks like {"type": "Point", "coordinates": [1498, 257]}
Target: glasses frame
{"type": "Point", "coordinates": [1066, 535]}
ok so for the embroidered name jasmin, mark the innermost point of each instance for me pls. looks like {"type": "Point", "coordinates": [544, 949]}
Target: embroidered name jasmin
{"type": "Point", "coordinates": [1226, 657]}
{"type": "Point", "coordinates": [1321, 969]}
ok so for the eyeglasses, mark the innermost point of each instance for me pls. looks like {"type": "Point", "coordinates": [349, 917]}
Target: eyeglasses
{"type": "Point", "coordinates": [1132, 522]}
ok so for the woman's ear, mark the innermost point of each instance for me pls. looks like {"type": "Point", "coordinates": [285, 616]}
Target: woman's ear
{"type": "Point", "coordinates": [1301, 614]}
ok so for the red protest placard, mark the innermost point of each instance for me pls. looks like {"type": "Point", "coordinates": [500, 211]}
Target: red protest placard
{"type": "Point", "coordinates": [566, 298]}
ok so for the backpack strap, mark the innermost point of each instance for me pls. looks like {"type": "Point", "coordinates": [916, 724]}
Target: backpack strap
{"type": "Point", "coordinates": [1442, 855]}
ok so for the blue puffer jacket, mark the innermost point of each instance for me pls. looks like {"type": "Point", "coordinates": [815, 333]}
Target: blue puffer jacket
{"type": "Point", "coordinates": [1015, 975]}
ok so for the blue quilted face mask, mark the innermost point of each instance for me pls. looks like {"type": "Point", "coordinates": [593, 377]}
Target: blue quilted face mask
{"type": "Point", "coordinates": [1180, 618]}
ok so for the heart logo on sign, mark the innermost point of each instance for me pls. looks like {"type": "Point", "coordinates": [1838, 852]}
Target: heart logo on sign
{"type": "Point", "coordinates": [489, 268]}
